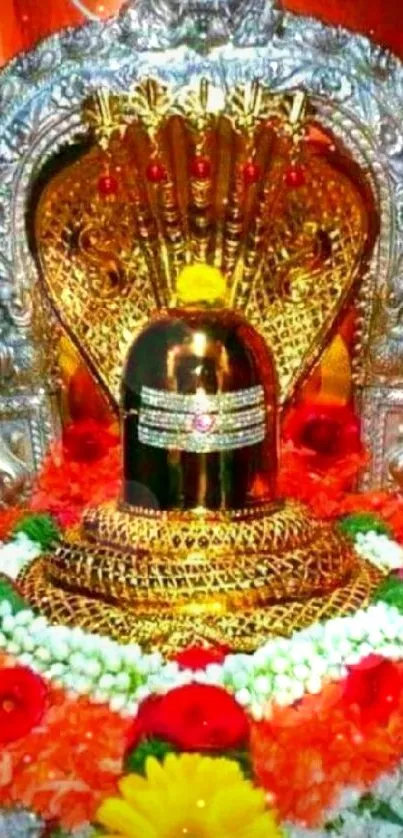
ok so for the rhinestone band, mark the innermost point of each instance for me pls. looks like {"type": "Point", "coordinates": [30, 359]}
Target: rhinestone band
{"type": "Point", "coordinates": [198, 442]}
{"type": "Point", "coordinates": [184, 421]}
{"type": "Point", "coordinates": [214, 403]}
{"type": "Point", "coordinates": [202, 423]}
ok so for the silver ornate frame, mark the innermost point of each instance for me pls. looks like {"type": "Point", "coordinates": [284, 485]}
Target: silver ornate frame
{"type": "Point", "coordinates": [358, 90]}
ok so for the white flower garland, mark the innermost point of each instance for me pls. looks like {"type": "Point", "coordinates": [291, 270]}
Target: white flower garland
{"type": "Point", "coordinates": [280, 671]}
{"type": "Point", "coordinates": [17, 554]}
{"type": "Point", "coordinates": [353, 823]}
{"type": "Point", "coordinates": [380, 550]}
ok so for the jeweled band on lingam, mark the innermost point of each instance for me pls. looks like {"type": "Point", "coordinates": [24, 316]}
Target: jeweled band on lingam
{"type": "Point", "coordinates": [201, 422]}
{"type": "Point", "coordinates": [200, 547]}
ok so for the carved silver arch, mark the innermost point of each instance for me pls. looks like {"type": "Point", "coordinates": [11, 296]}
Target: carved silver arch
{"type": "Point", "coordinates": [358, 89]}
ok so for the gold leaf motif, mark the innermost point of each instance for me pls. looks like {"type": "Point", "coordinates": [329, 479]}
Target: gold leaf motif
{"type": "Point", "coordinates": [296, 110]}
{"type": "Point", "coordinates": [151, 102]}
{"type": "Point", "coordinates": [249, 104]}
{"type": "Point", "coordinates": [201, 106]}
{"type": "Point", "coordinates": [103, 113]}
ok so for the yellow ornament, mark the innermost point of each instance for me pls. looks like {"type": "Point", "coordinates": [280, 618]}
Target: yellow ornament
{"type": "Point", "coordinates": [201, 283]}
{"type": "Point", "coordinates": [68, 358]}
{"type": "Point", "coordinates": [188, 795]}
{"type": "Point", "coordinates": [336, 373]}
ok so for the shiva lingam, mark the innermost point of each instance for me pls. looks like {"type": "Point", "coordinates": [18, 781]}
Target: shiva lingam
{"type": "Point", "coordinates": [200, 545]}
{"type": "Point", "coordinates": [242, 260]}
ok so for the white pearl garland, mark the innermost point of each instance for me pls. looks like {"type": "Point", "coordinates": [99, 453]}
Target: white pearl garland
{"type": "Point", "coordinates": [17, 554]}
{"type": "Point", "coordinates": [280, 671]}
{"type": "Point", "coordinates": [380, 550]}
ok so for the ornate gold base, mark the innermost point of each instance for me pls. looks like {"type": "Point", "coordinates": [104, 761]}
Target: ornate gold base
{"type": "Point", "coordinates": [242, 630]}
{"type": "Point", "coordinates": [212, 562]}
{"type": "Point", "coordinates": [166, 580]}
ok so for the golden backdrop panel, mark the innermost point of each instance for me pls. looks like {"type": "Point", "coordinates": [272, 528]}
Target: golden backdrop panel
{"type": "Point", "coordinates": [291, 256]}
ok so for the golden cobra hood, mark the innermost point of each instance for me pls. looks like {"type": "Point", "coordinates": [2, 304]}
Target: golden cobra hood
{"type": "Point", "coordinates": [236, 179]}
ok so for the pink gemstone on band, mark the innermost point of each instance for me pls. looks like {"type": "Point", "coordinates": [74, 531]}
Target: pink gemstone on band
{"type": "Point", "coordinates": [203, 423]}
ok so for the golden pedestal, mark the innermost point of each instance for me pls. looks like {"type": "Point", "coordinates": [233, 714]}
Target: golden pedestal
{"type": "Point", "coordinates": [200, 293]}
{"type": "Point", "coordinates": [166, 580]}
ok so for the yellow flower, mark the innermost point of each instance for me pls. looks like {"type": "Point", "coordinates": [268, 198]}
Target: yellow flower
{"type": "Point", "coordinates": [191, 796]}
{"type": "Point", "coordinates": [201, 283]}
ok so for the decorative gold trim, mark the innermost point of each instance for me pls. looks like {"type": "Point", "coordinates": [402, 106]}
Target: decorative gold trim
{"type": "Point", "coordinates": [291, 257]}
{"type": "Point", "coordinates": [237, 579]}
{"type": "Point", "coordinates": [243, 630]}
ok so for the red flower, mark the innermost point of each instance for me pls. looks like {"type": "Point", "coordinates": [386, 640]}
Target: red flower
{"type": "Point", "coordinates": [195, 717]}
{"type": "Point", "coordinates": [374, 685]}
{"type": "Point", "coordinates": [87, 441]}
{"type": "Point", "coordinates": [64, 487]}
{"type": "Point", "coordinates": [85, 399]}
{"type": "Point", "coordinates": [327, 432]}
{"type": "Point", "coordinates": [198, 657]}
{"type": "Point", "coordinates": [22, 702]}
{"type": "Point", "coordinates": [9, 517]}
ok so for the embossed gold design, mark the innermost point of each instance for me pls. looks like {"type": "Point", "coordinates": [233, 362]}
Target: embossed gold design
{"type": "Point", "coordinates": [103, 113]}
{"type": "Point", "coordinates": [242, 629]}
{"type": "Point", "coordinates": [291, 257]}
{"type": "Point", "coordinates": [150, 102]}
{"type": "Point", "coordinates": [166, 578]}
{"type": "Point", "coordinates": [199, 107]}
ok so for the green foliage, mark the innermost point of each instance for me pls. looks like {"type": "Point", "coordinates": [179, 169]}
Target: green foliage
{"type": "Point", "coordinates": [379, 809]}
{"type": "Point", "coordinates": [390, 591]}
{"type": "Point", "coordinates": [9, 592]}
{"type": "Point", "coordinates": [136, 760]}
{"type": "Point", "coordinates": [41, 529]}
{"type": "Point", "coordinates": [362, 522]}
{"type": "Point", "coordinates": [368, 805]}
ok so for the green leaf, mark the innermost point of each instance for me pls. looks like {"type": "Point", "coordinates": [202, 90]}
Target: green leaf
{"type": "Point", "coordinates": [335, 826]}
{"type": "Point", "coordinates": [385, 812]}
{"type": "Point", "coordinates": [241, 757]}
{"type": "Point", "coordinates": [135, 760]}
{"type": "Point", "coordinates": [10, 593]}
{"type": "Point", "coordinates": [390, 591]}
{"type": "Point", "coordinates": [379, 810]}
{"type": "Point", "coordinates": [367, 803]}
{"type": "Point", "coordinates": [41, 529]}
{"type": "Point", "coordinates": [362, 522]}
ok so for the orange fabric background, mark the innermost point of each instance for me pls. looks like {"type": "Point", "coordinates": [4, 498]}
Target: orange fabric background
{"type": "Point", "coordinates": [25, 21]}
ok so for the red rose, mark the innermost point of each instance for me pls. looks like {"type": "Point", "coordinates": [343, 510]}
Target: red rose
{"type": "Point", "coordinates": [198, 657]}
{"type": "Point", "coordinates": [327, 431]}
{"type": "Point", "coordinates": [195, 717]}
{"type": "Point", "coordinates": [22, 702]}
{"type": "Point", "coordinates": [87, 441]}
{"type": "Point", "coordinates": [374, 685]}
{"type": "Point", "coordinates": [85, 399]}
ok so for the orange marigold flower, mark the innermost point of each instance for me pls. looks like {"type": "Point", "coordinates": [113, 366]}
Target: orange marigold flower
{"type": "Point", "coordinates": [64, 487]}
{"type": "Point", "coordinates": [305, 755]}
{"type": "Point", "coordinates": [8, 519]}
{"type": "Point", "coordinates": [65, 766]}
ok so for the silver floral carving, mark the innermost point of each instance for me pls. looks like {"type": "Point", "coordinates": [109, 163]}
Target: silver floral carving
{"type": "Point", "coordinates": [357, 88]}
{"type": "Point", "coordinates": [202, 24]}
